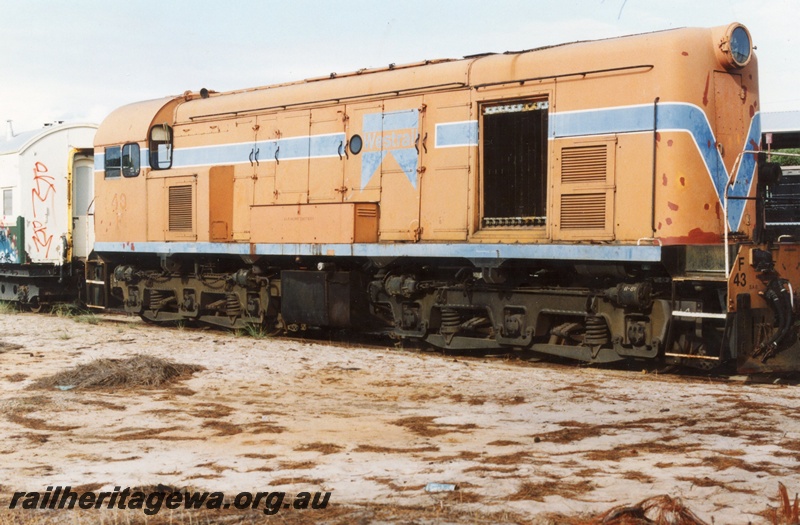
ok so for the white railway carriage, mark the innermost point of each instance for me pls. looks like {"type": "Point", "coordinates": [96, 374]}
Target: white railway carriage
{"type": "Point", "coordinates": [46, 224]}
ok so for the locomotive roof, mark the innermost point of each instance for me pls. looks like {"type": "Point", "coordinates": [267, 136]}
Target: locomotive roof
{"type": "Point", "coordinates": [471, 71]}
{"type": "Point", "coordinates": [132, 122]}
{"type": "Point", "coordinates": [24, 140]}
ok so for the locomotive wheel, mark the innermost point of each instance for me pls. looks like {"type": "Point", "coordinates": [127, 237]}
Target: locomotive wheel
{"type": "Point", "coordinates": [34, 305]}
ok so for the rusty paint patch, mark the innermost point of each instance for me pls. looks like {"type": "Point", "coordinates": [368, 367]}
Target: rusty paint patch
{"type": "Point", "coordinates": [659, 225]}
{"type": "Point", "coordinates": [669, 143]}
{"type": "Point", "coordinates": [672, 206]}
{"type": "Point", "coordinates": [706, 207]}
{"type": "Point", "coordinates": [664, 179]}
{"type": "Point", "coordinates": [752, 110]}
{"type": "Point", "coordinates": [695, 236]}
{"type": "Point", "coordinates": [668, 220]}
{"type": "Point", "coordinates": [683, 181]}
{"type": "Point", "coordinates": [718, 209]}
{"type": "Point", "coordinates": [658, 136]}
{"type": "Point", "coordinates": [705, 92]}
{"type": "Point", "coordinates": [685, 53]}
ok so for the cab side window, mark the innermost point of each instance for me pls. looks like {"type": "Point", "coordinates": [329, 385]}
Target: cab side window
{"type": "Point", "coordinates": [160, 147]}
{"type": "Point", "coordinates": [122, 160]}
{"type": "Point", "coordinates": [113, 162]}
{"type": "Point", "coordinates": [130, 160]}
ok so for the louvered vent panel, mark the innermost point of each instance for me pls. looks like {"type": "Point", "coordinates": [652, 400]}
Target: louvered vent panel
{"type": "Point", "coordinates": [180, 208]}
{"type": "Point", "coordinates": [585, 164]}
{"type": "Point", "coordinates": [366, 211]}
{"type": "Point", "coordinates": [584, 211]}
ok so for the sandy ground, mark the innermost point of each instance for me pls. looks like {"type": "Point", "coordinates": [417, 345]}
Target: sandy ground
{"type": "Point", "coordinates": [375, 425]}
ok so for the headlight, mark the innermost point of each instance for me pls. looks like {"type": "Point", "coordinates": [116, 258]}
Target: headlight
{"type": "Point", "coordinates": [735, 47]}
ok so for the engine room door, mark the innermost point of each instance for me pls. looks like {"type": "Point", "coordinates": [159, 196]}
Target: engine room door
{"type": "Point", "coordinates": [82, 195]}
{"type": "Point", "coordinates": [362, 176]}
{"type": "Point", "coordinates": [395, 140]}
{"type": "Point", "coordinates": [326, 155]}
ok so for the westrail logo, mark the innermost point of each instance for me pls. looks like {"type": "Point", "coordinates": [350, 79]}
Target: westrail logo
{"type": "Point", "coordinates": [390, 140]}
{"type": "Point", "coordinates": [394, 133]}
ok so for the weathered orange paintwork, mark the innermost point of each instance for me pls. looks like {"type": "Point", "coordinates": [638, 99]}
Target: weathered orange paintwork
{"type": "Point", "coordinates": [647, 69]}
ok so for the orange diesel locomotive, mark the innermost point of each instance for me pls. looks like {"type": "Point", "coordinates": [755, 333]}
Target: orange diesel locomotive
{"type": "Point", "coordinates": [596, 200]}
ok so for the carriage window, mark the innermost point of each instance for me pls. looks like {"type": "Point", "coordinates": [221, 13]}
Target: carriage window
{"type": "Point", "coordinates": [160, 147]}
{"type": "Point", "coordinates": [515, 164]}
{"type": "Point", "coordinates": [113, 162]}
{"type": "Point", "coordinates": [130, 160]}
{"type": "Point", "coordinates": [8, 202]}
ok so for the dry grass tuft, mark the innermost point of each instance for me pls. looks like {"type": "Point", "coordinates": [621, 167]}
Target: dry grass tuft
{"type": "Point", "coordinates": [393, 450]}
{"type": "Point", "coordinates": [425, 426]}
{"type": "Point", "coordinates": [132, 434]}
{"type": "Point", "coordinates": [38, 424]}
{"type": "Point", "coordinates": [539, 491]}
{"type": "Point", "coordinates": [726, 462]}
{"type": "Point", "coordinates": [641, 477]}
{"type": "Point", "coordinates": [389, 482]}
{"type": "Point", "coordinates": [223, 428]}
{"type": "Point", "coordinates": [705, 481]}
{"type": "Point", "coordinates": [322, 448]}
{"type": "Point", "coordinates": [8, 347]}
{"type": "Point", "coordinates": [787, 513]}
{"type": "Point", "coordinates": [659, 510]}
{"type": "Point", "coordinates": [635, 449]}
{"type": "Point", "coordinates": [504, 443]}
{"type": "Point", "coordinates": [514, 458]}
{"type": "Point", "coordinates": [572, 431]}
{"type": "Point", "coordinates": [211, 410]}
{"type": "Point", "coordinates": [139, 371]}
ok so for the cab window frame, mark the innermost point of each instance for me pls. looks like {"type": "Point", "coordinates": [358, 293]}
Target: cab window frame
{"type": "Point", "coordinates": [112, 162]}
{"type": "Point", "coordinates": [122, 161]}
{"type": "Point", "coordinates": [160, 147]}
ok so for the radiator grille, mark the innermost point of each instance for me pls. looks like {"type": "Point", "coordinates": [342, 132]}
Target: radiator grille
{"type": "Point", "coordinates": [584, 211]}
{"type": "Point", "coordinates": [180, 208]}
{"type": "Point", "coordinates": [585, 164]}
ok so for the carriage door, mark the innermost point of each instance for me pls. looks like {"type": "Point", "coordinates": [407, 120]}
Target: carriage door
{"type": "Point", "coordinates": [82, 195]}
{"type": "Point", "coordinates": [393, 140]}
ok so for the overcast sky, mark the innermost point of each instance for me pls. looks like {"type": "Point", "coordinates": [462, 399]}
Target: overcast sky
{"type": "Point", "coordinates": [78, 60]}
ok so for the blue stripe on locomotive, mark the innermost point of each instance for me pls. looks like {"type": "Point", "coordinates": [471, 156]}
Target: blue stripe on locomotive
{"type": "Point", "coordinates": [631, 119]}
{"type": "Point", "coordinates": [671, 117]}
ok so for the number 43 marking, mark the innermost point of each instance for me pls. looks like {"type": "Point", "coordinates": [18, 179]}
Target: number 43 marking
{"type": "Point", "coordinates": [740, 279]}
